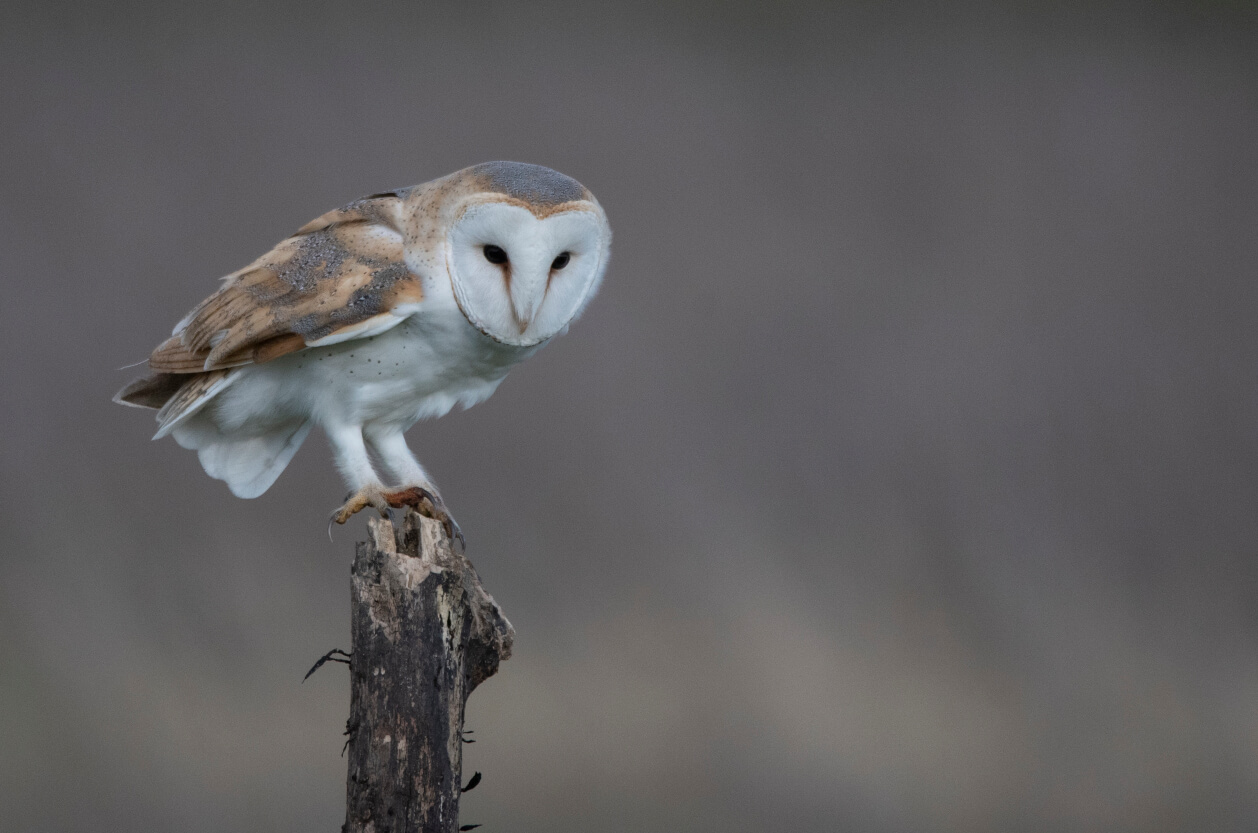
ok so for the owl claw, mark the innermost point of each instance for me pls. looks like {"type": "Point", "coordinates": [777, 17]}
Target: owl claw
{"type": "Point", "coordinates": [429, 504]}
{"type": "Point", "coordinates": [423, 500]}
{"type": "Point", "coordinates": [371, 496]}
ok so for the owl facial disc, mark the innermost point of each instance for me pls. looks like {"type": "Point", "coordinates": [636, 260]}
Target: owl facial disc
{"type": "Point", "coordinates": [521, 278]}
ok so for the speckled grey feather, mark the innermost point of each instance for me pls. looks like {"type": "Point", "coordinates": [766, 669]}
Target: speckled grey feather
{"type": "Point", "coordinates": [531, 183]}
{"type": "Point", "coordinates": [320, 257]}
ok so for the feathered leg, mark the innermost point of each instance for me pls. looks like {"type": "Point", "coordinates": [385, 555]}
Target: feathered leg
{"type": "Point", "coordinates": [395, 457]}
{"type": "Point", "coordinates": [414, 487]}
{"type": "Point", "coordinates": [352, 459]}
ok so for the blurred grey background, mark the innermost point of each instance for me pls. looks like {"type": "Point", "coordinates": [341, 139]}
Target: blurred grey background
{"type": "Point", "coordinates": [902, 477]}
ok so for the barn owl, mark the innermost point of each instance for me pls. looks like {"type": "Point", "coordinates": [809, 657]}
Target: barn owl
{"type": "Point", "coordinates": [392, 309]}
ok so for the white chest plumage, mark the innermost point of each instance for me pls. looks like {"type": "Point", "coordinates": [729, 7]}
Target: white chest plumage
{"type": "Point", "coordinates": [419, 369]}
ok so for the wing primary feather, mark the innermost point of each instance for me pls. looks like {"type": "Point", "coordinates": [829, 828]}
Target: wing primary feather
{"type": "Point", "coordinates": [191, 397]}
{"type": "Point", "coordinates": [150, 391]}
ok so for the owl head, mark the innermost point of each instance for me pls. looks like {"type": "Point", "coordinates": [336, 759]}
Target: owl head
{"type": "Point", "coordinates": [524, 247]}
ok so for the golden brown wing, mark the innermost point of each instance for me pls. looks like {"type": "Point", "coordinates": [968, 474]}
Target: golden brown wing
{"type": "Point", "coordinates": [340, 276]}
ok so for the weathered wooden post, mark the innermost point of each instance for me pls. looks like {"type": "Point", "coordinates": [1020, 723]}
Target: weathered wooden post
{"type": "Point", "coordinates": [425, 633]}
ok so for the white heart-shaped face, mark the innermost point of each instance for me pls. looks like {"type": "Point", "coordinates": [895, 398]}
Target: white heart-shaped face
{"type": "Point", "coordinates": [520, 279]}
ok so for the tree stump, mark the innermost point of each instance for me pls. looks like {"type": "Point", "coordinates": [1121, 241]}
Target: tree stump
{"type": "Point", "coordinates": [425, 633]}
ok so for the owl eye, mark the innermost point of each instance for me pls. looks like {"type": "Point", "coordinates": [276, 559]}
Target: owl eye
{"type": "Point", "coordinates": [560, 262]}
{"type": "Point", "coordinates": [495, 254]}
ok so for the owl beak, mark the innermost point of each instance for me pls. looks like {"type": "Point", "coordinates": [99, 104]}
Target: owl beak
{"type": "Point", "coordinates": [526, 300]}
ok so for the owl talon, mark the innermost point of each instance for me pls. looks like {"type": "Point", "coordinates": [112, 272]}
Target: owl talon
{"type": "Point", "coordinates": [454, 533]}
{"type": "Point", "coordinates": [429, 504]}
{"type": "Point", "coordinates": [371, 496]}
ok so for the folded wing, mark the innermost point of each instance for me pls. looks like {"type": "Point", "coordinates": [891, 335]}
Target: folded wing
{"type": "Point", "coordinates": [341, 276]}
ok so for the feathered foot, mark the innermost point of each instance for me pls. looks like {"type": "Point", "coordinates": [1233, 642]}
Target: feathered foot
{"type": "Point", "coordinates": [429, 504]}
{"type": "Point", "coordinates": [372, 496]}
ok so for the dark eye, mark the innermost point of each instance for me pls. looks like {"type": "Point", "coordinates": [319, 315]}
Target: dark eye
{"type": "Point", "coordinates": [495, 254]}
{"type": "Point", "coordinates": [560, 262]}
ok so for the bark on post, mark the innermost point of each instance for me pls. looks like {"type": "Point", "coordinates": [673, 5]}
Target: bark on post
{"type": "Point", "coordinates": [425, 633]}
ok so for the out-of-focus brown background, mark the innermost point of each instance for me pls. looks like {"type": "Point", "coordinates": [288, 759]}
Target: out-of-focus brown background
{"type": "Point", "coordinates": [902, 477]}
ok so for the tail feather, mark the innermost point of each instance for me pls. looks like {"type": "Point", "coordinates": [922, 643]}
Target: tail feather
{"type": "Point", "coordinates": [248, 463]}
